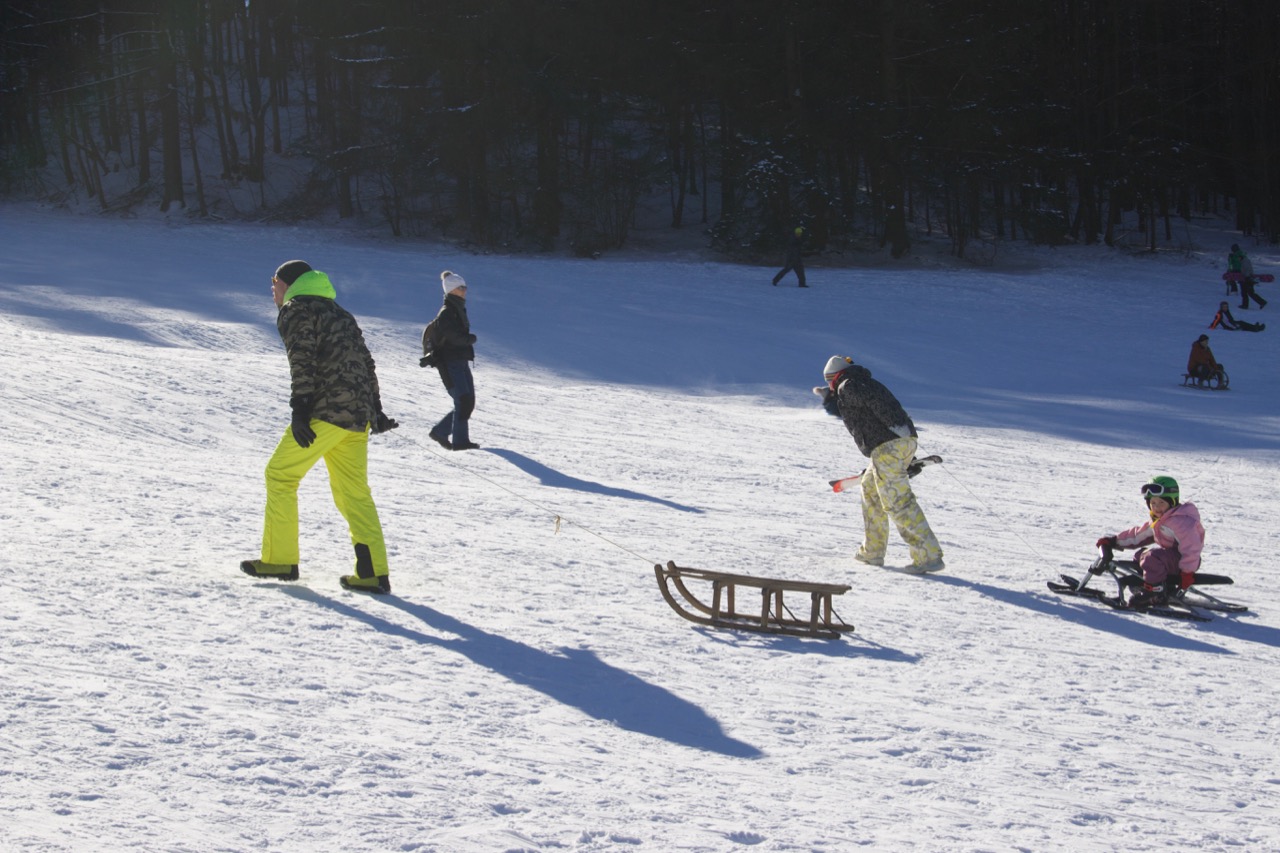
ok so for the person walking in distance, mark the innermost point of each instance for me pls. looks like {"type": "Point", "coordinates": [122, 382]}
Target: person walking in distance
{"type": "Point", "coordinates": [1239, 262]}
{"type": "Point", "coordinates": [454, 349]}
{"type": "Point", "coordinates": [336, 403]}
{"type": "Point", "coordinates": [795, 257]}
{"type": "Point", "coordinates": [1235, 262]}
{"type": "Point", "coordinates": [885, 435]}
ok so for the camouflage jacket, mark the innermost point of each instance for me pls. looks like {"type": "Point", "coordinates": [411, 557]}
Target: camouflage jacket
{"type": "Point", "coordinates": [332, 372]}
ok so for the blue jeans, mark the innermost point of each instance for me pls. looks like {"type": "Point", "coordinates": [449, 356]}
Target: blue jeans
{"type": "Point", "coordinates": [463, 391]}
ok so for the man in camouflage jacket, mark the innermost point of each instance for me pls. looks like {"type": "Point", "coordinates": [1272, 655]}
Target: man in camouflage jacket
{"type": "Point", "coordinates": [336, 404]}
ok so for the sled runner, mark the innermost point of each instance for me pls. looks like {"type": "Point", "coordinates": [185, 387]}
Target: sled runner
{"type": "Point", "coordinates": [1239, 276]}
{"type": "Point", "coordinates": [773, 617]}
{"type": "Point", "coordinates": [1217, 382]}
{"type": "Point", "coordinates": [1184, 598]}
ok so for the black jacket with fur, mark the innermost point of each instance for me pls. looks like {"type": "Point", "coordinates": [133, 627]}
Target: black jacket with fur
{"type": "Point", "coordinates": [453, 338]}
{"type": "Point", "coordinates": [869, 409]}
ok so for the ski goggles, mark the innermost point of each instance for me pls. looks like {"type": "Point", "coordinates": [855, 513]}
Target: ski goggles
{"type": "Point", "coordinates": [1155, 490]}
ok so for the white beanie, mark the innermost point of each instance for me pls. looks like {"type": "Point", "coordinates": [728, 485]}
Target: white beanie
{"type": "Point", "coordinates": [451, 281]}
{"type": "Point", "coordinates": [835, 364]}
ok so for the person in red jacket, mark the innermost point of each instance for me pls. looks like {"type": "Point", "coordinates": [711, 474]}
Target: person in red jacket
{"type": "Point", "coordinates": [1201, 364]}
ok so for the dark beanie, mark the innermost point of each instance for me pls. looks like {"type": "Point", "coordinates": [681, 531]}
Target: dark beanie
{"type": "Point", "coordinates": [289, 271]}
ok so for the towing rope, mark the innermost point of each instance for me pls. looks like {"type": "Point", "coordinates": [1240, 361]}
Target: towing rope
{"type": "Point", "coordinates": [992, 512]}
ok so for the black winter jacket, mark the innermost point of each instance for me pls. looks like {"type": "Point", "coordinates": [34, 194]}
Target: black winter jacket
{"type": "Point", "coordinates": [453, 336]}
{"type": "Point", "coordinates": [795, 249]}
{"type": "Point", "coordinates": [868, 409]}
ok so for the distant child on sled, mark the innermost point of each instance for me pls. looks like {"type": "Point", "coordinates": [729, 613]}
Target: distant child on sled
{"type": "Point", "coordinates": [1201, 364]}
{"type": "Point", "coordinates": [1169, 545]}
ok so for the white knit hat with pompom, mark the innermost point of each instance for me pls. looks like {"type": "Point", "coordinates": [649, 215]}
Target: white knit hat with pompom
{"type": "Point", "coordinates": [836, 364]}
{"type": "Point", "coordinates": [451, 281]}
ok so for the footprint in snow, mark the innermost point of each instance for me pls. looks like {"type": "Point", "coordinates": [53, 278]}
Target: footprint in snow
{"type": "Point", "coordinates": [745, 837]}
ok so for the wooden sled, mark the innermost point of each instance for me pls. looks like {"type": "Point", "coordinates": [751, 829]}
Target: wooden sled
{"type": "Point", "coordinates": [774, 617]}
{"type": "Point", "coordinates": [1217, 382]}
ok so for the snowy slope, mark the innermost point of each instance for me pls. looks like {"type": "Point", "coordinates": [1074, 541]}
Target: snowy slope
{"type": "Point", "coordinates": [526, 688]}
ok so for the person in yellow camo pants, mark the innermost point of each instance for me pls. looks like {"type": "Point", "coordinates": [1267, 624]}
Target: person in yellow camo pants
{"type": "Point", "coordinates": [885, 435]}
{"type": "Point", "coordinates": [346, 456]}
{"type": "Point", "coordinates": [886, 494]}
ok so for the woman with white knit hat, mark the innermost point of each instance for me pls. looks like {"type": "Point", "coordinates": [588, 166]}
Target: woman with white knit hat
{"type": "Point", "coordinates": [453, 345]}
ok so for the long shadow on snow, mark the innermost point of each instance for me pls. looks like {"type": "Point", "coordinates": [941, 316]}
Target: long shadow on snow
{"type": "Point", "coordinates": [803, 645]}
{"type": "Point", "coordinates": [573, 677]}
{"type": "Point", "coordinates": [78, 320]}
{"type": "Point", "coordinates": [1237, 626]}
{"type": "Point", "coordinates": [551, 477]}
{"type": "Point", "coordinates": [1144, 629]}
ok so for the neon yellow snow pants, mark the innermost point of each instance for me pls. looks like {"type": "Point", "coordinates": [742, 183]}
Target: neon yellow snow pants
{"type": "Point", "coordinates": [346, 455]}
{"type": "Point", "coordinates": [886, 494]}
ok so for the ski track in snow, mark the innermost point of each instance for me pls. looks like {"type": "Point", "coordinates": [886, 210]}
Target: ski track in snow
{"type": "Point", "coordinates": [526, 688]}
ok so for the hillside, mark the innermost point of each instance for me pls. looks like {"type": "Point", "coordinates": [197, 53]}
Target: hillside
{"type": "Point", "coordinates": [526, 688]}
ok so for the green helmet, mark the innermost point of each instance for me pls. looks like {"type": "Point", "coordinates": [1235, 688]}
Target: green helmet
{"type": "Point", "coordinates": [1161, 487]}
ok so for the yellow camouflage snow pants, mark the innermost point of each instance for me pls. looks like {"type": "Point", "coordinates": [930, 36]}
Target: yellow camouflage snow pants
{"type": "Point", "coordinates": [886, 494]}
{"type": "Point", "coordinates": [346, 455]}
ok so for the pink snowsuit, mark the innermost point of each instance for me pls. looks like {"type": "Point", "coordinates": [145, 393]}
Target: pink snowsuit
{"type": "Point", "coordinates": [1178, 537]}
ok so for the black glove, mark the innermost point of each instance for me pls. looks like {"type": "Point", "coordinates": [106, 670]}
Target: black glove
{"type": "Point", "coordinates": [301, 426]}
{"type": "Point", "coordinates": [471, 339]}
{"type": "Point", "coordinates": [1106, 542]}
{"type": "Point", "coordinates": [382, 423]}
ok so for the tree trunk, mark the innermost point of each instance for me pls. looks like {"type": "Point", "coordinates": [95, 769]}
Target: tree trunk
{"type": "Point", "coordinates": [201, 206]}
{"type": "Point", "coordinates": [170, 125]}
{"type": "Point", "coordinates": [144, 135]}
{"type": "Point", "coordinates": [546, 195]}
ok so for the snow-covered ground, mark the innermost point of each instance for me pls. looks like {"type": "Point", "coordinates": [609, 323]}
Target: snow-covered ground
{"type": "Point", "coordinates": [526, 688]}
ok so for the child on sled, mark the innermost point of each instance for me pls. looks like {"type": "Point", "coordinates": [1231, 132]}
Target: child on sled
{"type": "Point", "coordinates": [1169, 545]}
{"type": "Point", "coordinates": [1202, 366]}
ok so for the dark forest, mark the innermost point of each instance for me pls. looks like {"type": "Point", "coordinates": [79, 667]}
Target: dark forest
{"type": "Point", "coordinates": [543, 124]}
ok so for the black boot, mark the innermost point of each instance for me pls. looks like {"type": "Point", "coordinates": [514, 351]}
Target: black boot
{"type": "Point", "coordinates": [1147, 598]}
{"type": "Point", "coordinates": [259, 569]}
